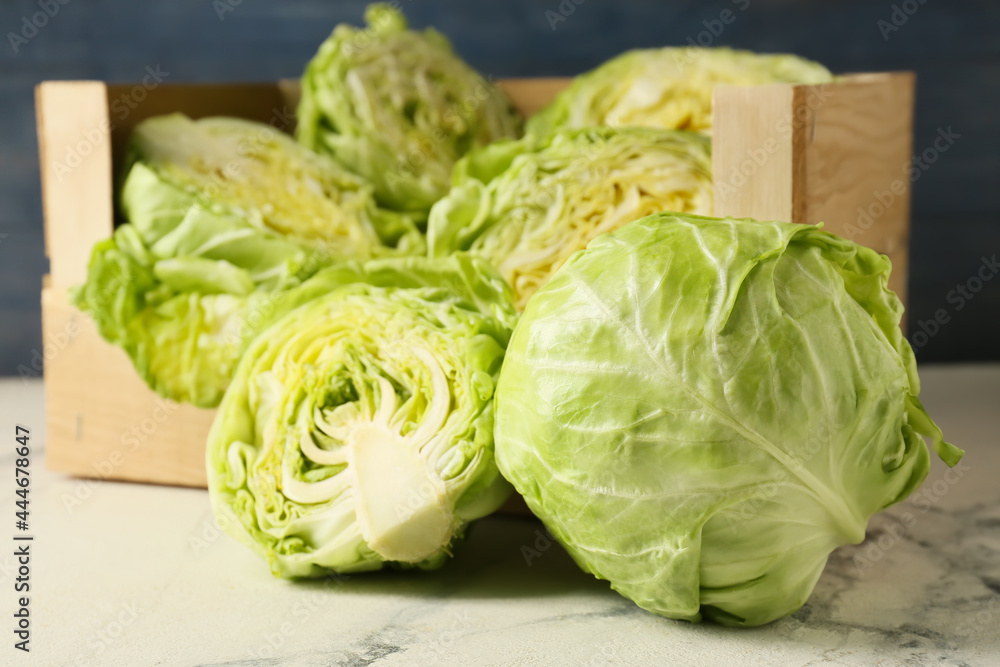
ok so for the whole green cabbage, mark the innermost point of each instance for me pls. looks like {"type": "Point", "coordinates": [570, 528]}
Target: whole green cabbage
{"type": "Point", "coordinates": [527, 206]}
{"type": "Point", "coordinates": [667, 87]}
{"type": "Point", "coordinates": [222, 215]}
{"type": "Point", "coordinates": [701, 410]}
{"type": "Point", "coordinates": [398, 107]}
{"type": "Point", "coordinates": [358, 429]}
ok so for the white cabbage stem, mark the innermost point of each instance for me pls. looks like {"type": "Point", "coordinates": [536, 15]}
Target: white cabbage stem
{"type": "Point", "coordinates": [402, 504]}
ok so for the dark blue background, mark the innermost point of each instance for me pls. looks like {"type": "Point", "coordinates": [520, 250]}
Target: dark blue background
{"type": "Point", "coordinates": [953, 46]}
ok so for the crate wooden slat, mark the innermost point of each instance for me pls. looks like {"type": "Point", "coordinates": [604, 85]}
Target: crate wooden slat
{"type": "Point", "coordinates": [104, 422]}
{"type": "Point", "coordinates": [75, 167]}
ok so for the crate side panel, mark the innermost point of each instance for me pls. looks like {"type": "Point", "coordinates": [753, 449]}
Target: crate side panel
{"type": "Point", "coordinates": [855, 157]}
{"type": "Point", "coordinates": [102, 419]}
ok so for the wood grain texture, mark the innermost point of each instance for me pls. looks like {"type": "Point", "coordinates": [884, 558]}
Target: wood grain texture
{"type": "Point", "coordinates": [854, 173]}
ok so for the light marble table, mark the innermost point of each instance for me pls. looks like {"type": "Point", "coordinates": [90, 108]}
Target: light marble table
{"type": "Point", "coordinates": [124, 574]}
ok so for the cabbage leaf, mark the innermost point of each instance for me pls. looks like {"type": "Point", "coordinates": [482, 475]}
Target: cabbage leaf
{"type": "Point", "coordinates": [702, 409]}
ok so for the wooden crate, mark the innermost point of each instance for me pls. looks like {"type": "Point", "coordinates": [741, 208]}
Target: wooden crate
{"type": "Point", "coordinates": [784, 152]}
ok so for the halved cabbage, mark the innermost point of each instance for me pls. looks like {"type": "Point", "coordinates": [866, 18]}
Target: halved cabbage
{"type": "Point", "coordinates": [256, 173]}
{"type": "Point", "coordinates": [666, 88]}
{"type": "Point", "coordinates": [527, 206]}
{"type": "Point", "coordinates": [398, 107]}
{"type": "Point", "coordinates": [222, 216]}
{"type": "Point", "coordinates": [358, 429]}
{"type": "Point", "coordinates": [701, 410]}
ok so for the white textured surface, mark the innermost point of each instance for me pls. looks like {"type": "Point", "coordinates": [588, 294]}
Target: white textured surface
{"type": "Point", "coordinates": [125, 574]}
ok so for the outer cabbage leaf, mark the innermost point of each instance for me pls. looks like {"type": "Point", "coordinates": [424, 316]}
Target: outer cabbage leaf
{"type": "Point", "coordinates": [667, 88]}
{"type": "Point", "coordinates": [358, 429]}
{"type": "Point", "coordinates": [222, 215]}
{"type": "Point", "coordinates": [701, 410]}
{"type": "Point", "coordinates": [527, 206]}
{"type": "Point", "coordinates": [398, 107]}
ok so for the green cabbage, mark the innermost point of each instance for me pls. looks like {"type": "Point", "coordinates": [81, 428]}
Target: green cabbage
{"type": "Point", "coordinates": [667, 88]}
{"type": "Point", "coordinates": [701, 410]}
{"type": "Point", "coordinates": [221, 215]}
{"type": "Point", "coordinates": [527, 208]}
{"type": "Point", "coordinates": [358, 429]}
{"type": "Point", "coordinates": [398, 107]}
